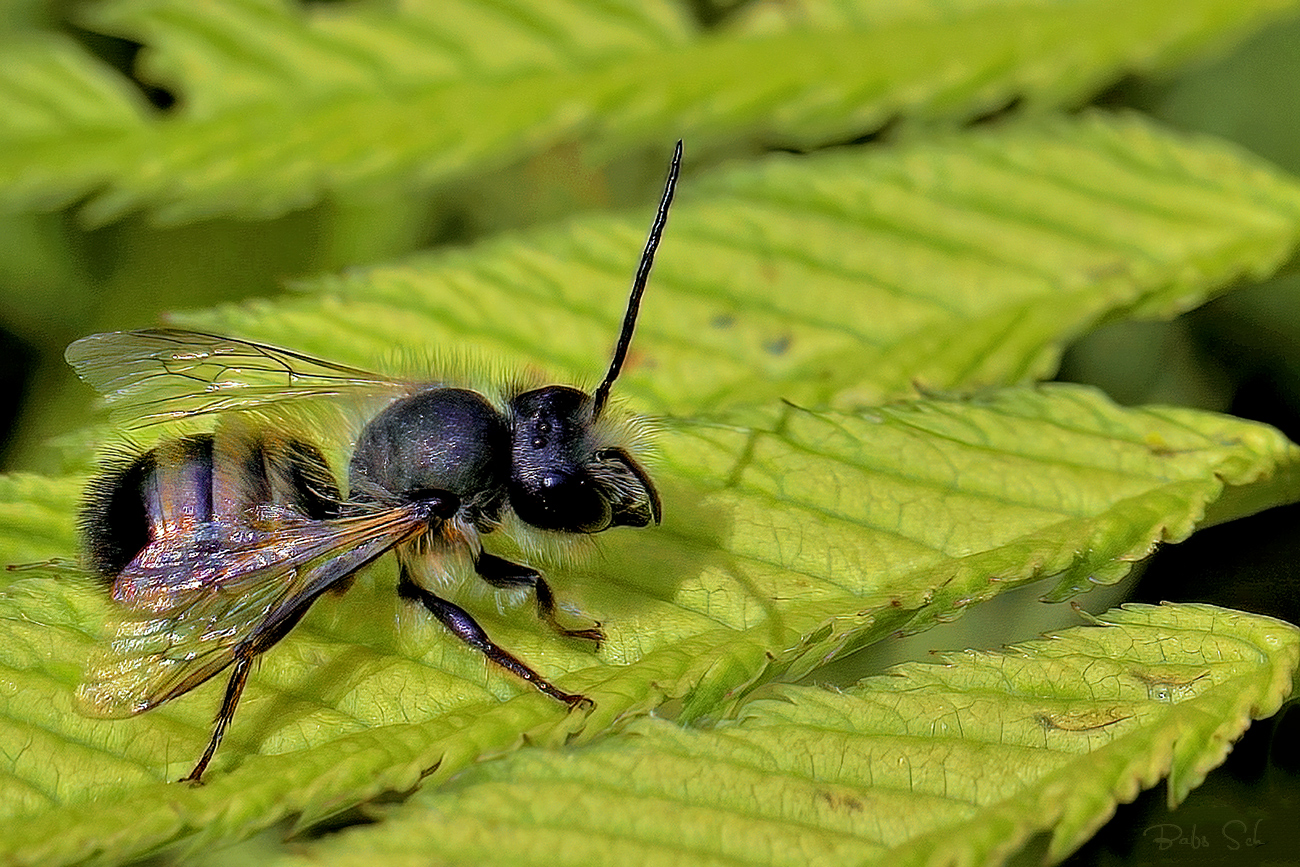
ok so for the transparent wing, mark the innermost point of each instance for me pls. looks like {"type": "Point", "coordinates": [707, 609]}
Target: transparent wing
{"type": "Point", "coordinates": [190, 602]}
{"type": "Point", "coordinates": [163, 374]}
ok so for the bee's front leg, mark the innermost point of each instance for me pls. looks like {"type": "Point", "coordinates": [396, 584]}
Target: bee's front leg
{"type": "Point", "coordinates": [502, 573]}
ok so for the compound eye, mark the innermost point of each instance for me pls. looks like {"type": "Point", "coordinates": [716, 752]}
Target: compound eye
{"type": "Point", "coordinates": [561, 501]}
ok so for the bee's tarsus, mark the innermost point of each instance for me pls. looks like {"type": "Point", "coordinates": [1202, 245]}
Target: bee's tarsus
{"type": "Point", "coordinates": [576, 702]}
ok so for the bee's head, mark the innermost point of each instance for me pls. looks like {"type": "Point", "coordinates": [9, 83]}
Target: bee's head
{"type": "Point", "coordinates": [562, 477]}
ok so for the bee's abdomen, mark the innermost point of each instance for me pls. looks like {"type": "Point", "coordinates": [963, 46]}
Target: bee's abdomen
{"type": "Point", "coordinates": [188, 482]}
{"type": "Point", "coordinates": [114, 518]}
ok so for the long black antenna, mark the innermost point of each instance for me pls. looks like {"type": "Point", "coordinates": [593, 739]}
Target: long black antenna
{"type": "Point", "coordinates": [638, 286]}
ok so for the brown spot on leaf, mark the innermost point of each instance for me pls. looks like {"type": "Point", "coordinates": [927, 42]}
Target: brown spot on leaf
{"type": "Point", "coordinates": [841, 801]}
{"type": "Point", "coordinates": [1082, 720]}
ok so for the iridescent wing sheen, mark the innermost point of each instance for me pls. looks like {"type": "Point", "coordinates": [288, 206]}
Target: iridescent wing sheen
{"type": "Point", "coordinates": [189, 602]}
{"type": "Point", "coordinates": [163, 374]}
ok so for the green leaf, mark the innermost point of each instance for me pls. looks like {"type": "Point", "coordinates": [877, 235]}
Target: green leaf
{"type": "Point", "coordinates": [36, 519]}
{"type": "Point", "coordinates": [795, 533]}
{"type": "Point", "coordinates": [847, 278]}
{"type": "Point", "coordinates": [792, 536]}
{"type": "Point", "coordinates": [54, 97]}
{"type": "Point", "coordinates": [381, 98]}
{"type": "Point", "coordinates": [953, 763]}
{"type": "Point", "coordinates": [788, 540]}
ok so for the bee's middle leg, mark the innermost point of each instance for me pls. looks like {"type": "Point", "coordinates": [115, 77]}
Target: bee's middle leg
{"type": "Point", "coordinates": [463, 626]}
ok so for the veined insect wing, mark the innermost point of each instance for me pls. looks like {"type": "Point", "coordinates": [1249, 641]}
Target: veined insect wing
{"type": "Point", "coordinates": [164, 374]}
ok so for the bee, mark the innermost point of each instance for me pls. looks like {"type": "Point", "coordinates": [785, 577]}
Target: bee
{"type": "Point", "coordinates": [216, 544]}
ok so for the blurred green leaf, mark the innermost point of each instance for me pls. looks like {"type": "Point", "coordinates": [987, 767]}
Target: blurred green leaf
{"type": "Point", "coordinates": [1243, 97]}
{"type": "Point", "coordinates": [278, 105]}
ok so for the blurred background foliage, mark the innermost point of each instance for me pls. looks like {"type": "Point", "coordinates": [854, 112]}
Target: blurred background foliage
{"type": "Point", "coordinates": [62, 277]}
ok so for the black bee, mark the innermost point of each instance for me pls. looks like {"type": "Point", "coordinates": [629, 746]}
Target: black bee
{"type": "Point", "coordinates": [216, 544]}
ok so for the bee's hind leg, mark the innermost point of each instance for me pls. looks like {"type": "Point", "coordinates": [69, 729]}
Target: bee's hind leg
{"type": "Point", "coordinates": [463, 626]}
{"type": "Point", "coordinates": [502, 573]}
{"type": "Point", "coordinates": [234, 689]}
